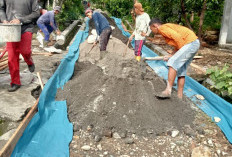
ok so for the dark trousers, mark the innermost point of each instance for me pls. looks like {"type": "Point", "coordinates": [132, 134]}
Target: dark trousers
{"type": "Point", "coordinates": [104, 38]}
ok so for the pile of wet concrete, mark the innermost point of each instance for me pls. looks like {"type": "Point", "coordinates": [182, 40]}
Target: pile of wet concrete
{"type": "Point", "coordinates": [115, 94]}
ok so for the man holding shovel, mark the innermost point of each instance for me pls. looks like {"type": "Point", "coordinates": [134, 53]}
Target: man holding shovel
{"type": "Point", "coordinates": [103, 29]}
{"type": "Point", "coordinates": [141, 29]}
{"type": "Point", "coordinates": [186, 45]}
{"type": "Point", "coordinates": [16, 12]}
{"type": "Point", "coordinates": [47, 24]}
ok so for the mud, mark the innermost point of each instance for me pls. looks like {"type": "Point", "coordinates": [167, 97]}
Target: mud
{"type": "Point", "coordinates": [115, 93]}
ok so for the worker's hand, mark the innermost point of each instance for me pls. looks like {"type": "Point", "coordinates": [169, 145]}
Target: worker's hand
{"type": "Point", "coordinates": [166, 58]}
{"type": "Point", "coordinates": [15, 21]}
{"type": "Point", "coordinates": [58, 32]}
{"type": "Point", "coordinates": [143, 34]}
{"type": "Point", "coordinates": [95, 43]}
{"type": "Point", "coordinates": [5, 21]}
{"type": "Point", "coordinates": [131, 38]}
{"type": "Point", "coordinates": [170, 51]}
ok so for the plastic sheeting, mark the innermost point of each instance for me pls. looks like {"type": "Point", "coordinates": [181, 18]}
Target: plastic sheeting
{"type": "Point", "coordinates": [50, 132]}
{"type": "Point", "coordinates": [213, 105]}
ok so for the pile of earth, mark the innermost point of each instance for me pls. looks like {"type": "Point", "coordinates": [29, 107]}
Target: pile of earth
{"type": "Point", "coordinates": [117, 94]}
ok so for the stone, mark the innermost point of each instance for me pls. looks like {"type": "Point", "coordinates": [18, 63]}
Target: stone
{"type": "Point", "coordinates": [105, 153]}
{"type": "Point", "coordinates": [200, 97]}
{"type": "Point", "coordinates": [116, 135]}
{"type": "Point", "coordinates": [201, 151]}
{"type": "Point", "coordinates": [175, 133]}
{"type": "Point", "coordinates": [217, 119]}
{"type": "Point", "coordinates": [129, 141]}
{"type": "Point", "coordinates": [189, 131]}
{"type": "Point", "coordinates": [99, 147]}
{"type": "Point", "coordinates": [218, 152]}
{"type": "Point", "coordinates": [85, 147]}
{"type": "Point", "coordinates": [124, 156]}
{"type": "Point", "coordinates": [210, 142]}
{"type": "Point", "coordinates": [97, 138]}
{"type": "Point", "coordinates": [123, 134]}
{"type": "Point", "coordinates": [107, 133]}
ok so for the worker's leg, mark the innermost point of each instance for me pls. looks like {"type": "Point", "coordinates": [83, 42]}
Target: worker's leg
{"type": "Point", "coordinates": [13, 62]}
{"type": "Point", "coordinates": [178, 66]}
{"type": "Point", "coordinates": [138, 49]}
{"type": "Point", "coordinates": [45, 31]}
{"type": "Point", "coordinates": [181, 81]}
{"type": "Point", "coordinates": [171, 78]}
{"type": "Point", "coordinates": [104, 38]}
{"type": "Point", "coordinates": [25, 47]}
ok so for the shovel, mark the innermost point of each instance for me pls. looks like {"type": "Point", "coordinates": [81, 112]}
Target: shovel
{"type": "Point", "coordinates": [126, 48]}
{"type": "Point", "coordinates": [153, 58]}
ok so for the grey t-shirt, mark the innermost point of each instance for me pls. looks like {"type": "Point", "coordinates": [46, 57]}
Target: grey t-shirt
{"type": "Point", "coordinates": [27, 11]}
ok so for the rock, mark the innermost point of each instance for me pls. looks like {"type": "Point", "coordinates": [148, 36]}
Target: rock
{"type": "Point", "coordinates": [90, 127]}
{"type": "Point", "coordinates": [175, 133]}
{"type": "Point", "coordinates": [129, 141]}
{"type": "Point", "coordinates": [114, 103]}
{"type": "Point", "coordinates": [86, 147]}
{"type": "Point", "coordinates": [75, 146]}
{"type": "Point", "coordinates": [200, 97]}
{"type": "Point", "coordinates": [99, 147]}
{"type": "Point", "coordinates": [123, 134]}
{"type": "Point", "coordinates": [218, 152]}
{"type": "Point", "coordinates": [116, 135]}
{"type": "Point", "coordinates": [97, 138]}
{"type": "Point", "coordinates": [224, 153]}
{"type": "Point", "coordinates": [105, 153]}
{"type": "Point", "coordinates": [201, 151]}
{"type": "Point", "coordinates": [189, 131]}
{"type": "Point", "coordinates": [217, 119]}
{"type": "Point", "coordinates": [200, 131]}
{"type": "Point", "coordinates": [124, 156]}
{"type": "Point", "coordinates": [210, 142]}
{"type": "Point", "coordinates": [107, 133]}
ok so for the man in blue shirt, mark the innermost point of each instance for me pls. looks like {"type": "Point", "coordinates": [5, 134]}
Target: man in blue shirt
{"type": "Point", "coordinates": [47, 24]}
{"type": "Point", "coordinates": [102, 27]}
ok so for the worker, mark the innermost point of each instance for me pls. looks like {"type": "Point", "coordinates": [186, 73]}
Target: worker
{"type": "Point", "coordinates": [141, 29]}
{"type": "Point", "coordinates": [103, 29]}
{"type": "Point", "coordinates": [47, 24]}
{"type": "Point", "coordinates": [15, 12]}
{"type": "Point", "coordinates": [186, 45]}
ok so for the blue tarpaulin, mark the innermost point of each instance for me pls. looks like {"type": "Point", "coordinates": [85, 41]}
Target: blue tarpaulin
{"type": "Point", "coordinates": [213, 105]}
{"type": "Point", "coordinates": [50, 132]}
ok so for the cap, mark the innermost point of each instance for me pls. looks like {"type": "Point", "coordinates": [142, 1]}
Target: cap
{"type": "Point", "coordinates": [139, 6]}
{"type": "Point", "coordinates": [57, 8]}
{"type": "Point", "coordinates": [88, 10]}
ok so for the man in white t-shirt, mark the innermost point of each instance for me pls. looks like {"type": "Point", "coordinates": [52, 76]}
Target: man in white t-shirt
{"type": "Point", "coordinates": [142, 29]}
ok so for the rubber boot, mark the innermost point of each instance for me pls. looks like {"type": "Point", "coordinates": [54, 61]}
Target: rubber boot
{"type": "Point", "coordinates": [138, 58]}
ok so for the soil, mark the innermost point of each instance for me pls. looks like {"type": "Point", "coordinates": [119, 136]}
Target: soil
{"type": "Point", "coordinates": [112, 104]}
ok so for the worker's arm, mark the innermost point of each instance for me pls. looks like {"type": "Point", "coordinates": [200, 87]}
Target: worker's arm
{"type": "Point", "coordinates": [52, 21]}
{"type": "Point", "coordinates": [31, 17]}
{"type": "Point", "coordinates": [2, 11]}
{"type": "Point", "coordinates": [96, 23]}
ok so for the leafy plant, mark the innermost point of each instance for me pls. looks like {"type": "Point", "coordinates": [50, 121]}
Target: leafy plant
{"type": "Point", "coordinates": [222, 79]}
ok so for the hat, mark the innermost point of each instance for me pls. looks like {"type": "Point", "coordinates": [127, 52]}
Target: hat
{"type": "Point", "coordinates": [57, 8]}
{"type": "Point", "coordinates": [88, 10]}
{"type": "Point", "coordinates": [139, 6]}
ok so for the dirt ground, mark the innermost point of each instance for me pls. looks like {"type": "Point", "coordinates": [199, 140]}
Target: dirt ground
{"type": "Point", "coordinates": [112, 104]}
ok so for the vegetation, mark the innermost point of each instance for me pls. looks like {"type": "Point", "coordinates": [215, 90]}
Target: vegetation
{"type": "Point", "coordinates": [199, 15]}
{"type": "Point", "coordinates": [222, 79]}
